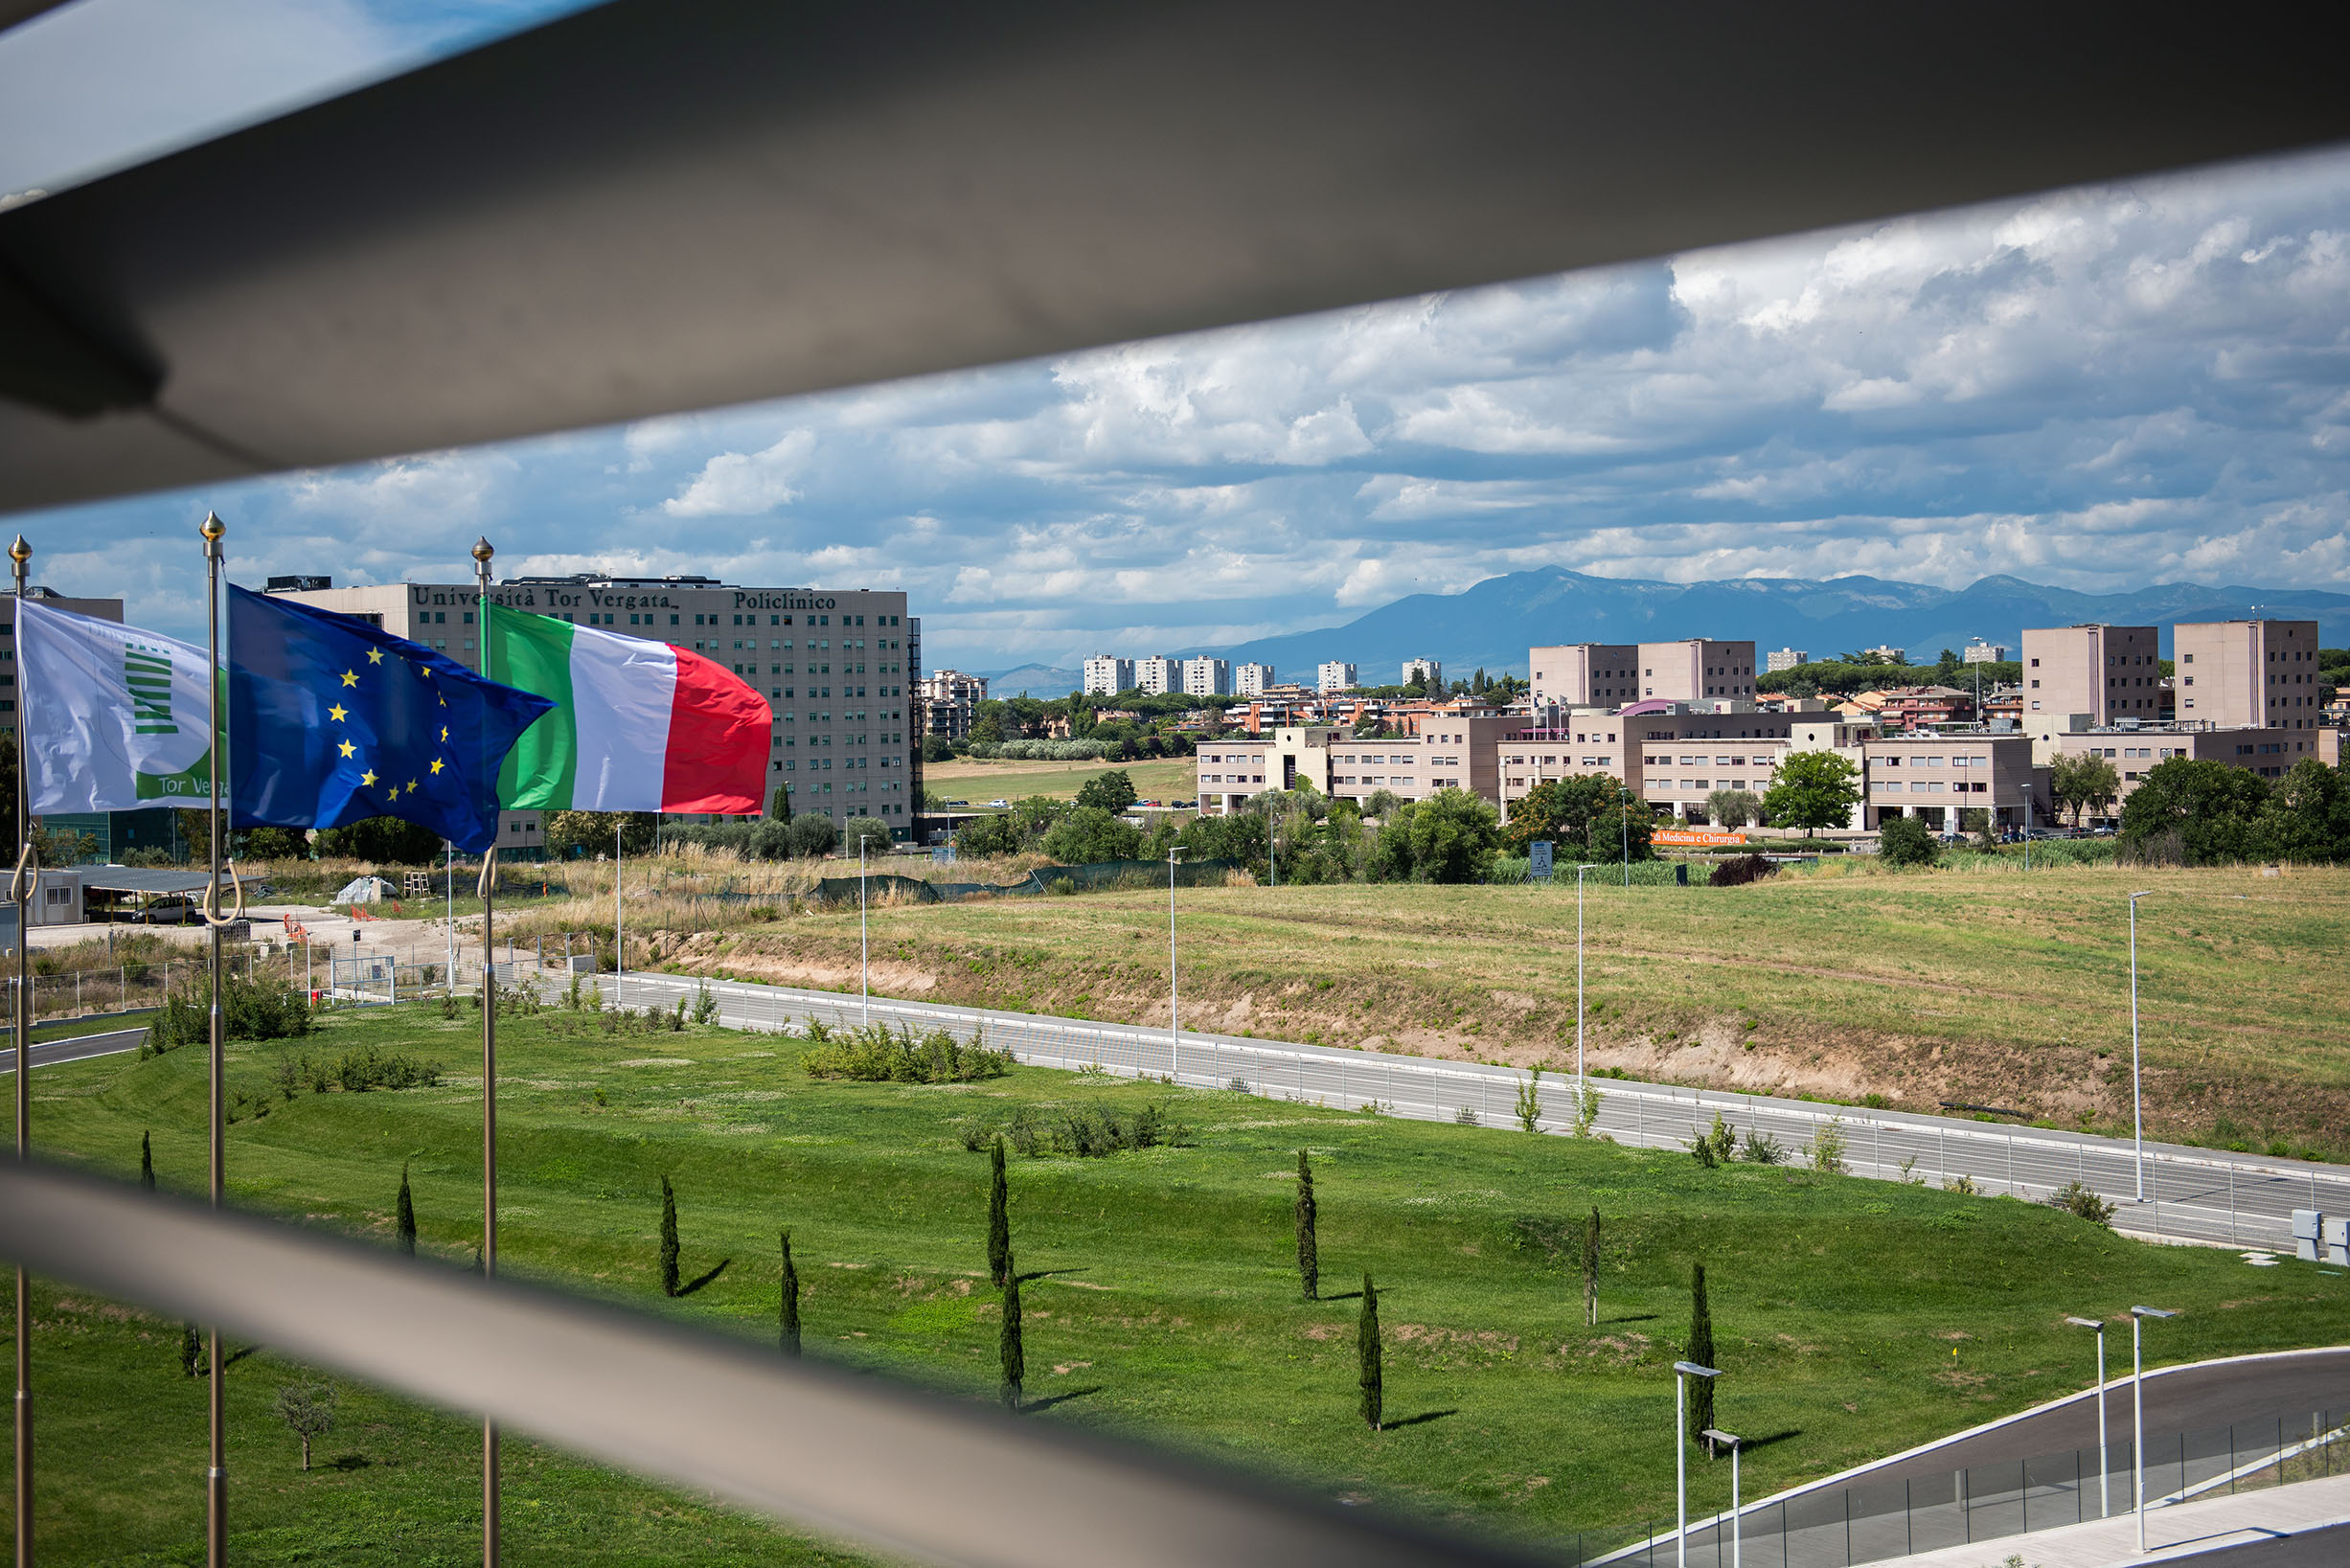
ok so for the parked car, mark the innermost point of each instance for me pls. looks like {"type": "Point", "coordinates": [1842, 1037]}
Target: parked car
{"type": "Point", "coordinates": [999, 804]}
{"type": "Point", "coordinates": [958, 802]}
{"type": "Point", "coordinates": [174, 910]}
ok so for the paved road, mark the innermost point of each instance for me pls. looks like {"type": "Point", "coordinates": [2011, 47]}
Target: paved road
{"type": "Point", "coordinates": [77, 1048]}
{"type": "Point", "coordinates": [2191, 1193]}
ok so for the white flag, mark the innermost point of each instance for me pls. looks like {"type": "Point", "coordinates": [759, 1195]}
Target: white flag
{"type": "Point", "coordinates": [115, 718]}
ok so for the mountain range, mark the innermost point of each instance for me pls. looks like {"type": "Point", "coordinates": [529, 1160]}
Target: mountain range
{"type": "Point", "coordinates": [1493, 623]}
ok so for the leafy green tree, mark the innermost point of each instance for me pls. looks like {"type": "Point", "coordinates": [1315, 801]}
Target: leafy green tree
{"type": "Point", "coordinates": [405, 1223]}
{"type": "Point", "coordinates": [1308, 1254]}
{"type": "Point", "coordinates": [271, 844]}
{"type": "Point", "coordinates": [1000, 1217]}
{"type": "Point", "coordinates": [994, 834]}
{"type": "Point", "coordinates": [813, 836]}
{"type": "Point", "coordinates": [2306, 817]}
{"type": "Point", "coordinates": [669, 1239]}
{"type": "Point", "coordinates": [1454, 836]}
{"type": "Point", "coordinates": [779, 803]}
{"type": "Point", "coordinates": [2080, 780]}
{"type": "Point", "coordinates": [1945, 668]}
{"type": "Point", "coordinates": [1622, 831]}
{"type": "Point", "coordinates": [2198, 811]}
{"type": "Point", "coordinates": [873, 830]}
{"type": "Point", "coordinates": [386, 841]}
{"type": "Point", "coordinates": [1559, 810]}
{"type": "Point", "coordinates": [589, 833]}
{"type": "Point", "coordinates": [788, 1311]}
{"type": "Point", "coordinates": [1814, 789]}
{"type": "Point", "coordinates": [308, 1408]}
{"type": "Point", "coordinates": [1367, 1354]}
{"type": "Point", "coordinates": [937, 749]}
{"type": "Point", "coordinates": [1903, 841]}
{"type": "Point", "coordinates": [1011, 1352]}
{"type": "Point", "coordinates": [1701, 1350]}
{"type": "Point", "coordinates": [1733, 808]}
{"type": "Point", "coordinates": [1088, 834]}
{"type": "Point", "coordinates": [1112, 791]}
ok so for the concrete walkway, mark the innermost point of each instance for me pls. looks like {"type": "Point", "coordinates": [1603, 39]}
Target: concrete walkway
{"type": "Point", "coordinates": [2178, 1534]}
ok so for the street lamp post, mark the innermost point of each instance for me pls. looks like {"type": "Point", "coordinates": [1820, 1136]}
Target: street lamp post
{"type": "Point", "coordinates": [1579, 872]}
{"type": "Point", "coordinates": [1174, 1028]}
{"type": "Point", "coordinates": [2137, 1400]}
{"type": "Point", "coordinates": [1733, 1439]}
{"type": "Point", "coordinates": [2137, 1112]}
{"type": "Point", "coordinates": [2105, 1505]}
{"type": "Point", "coordinates": [1682, 1371]}
{"type": "Point", "coordinates": [864, 967]}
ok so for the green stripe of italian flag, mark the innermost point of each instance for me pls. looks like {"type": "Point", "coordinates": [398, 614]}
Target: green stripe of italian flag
{"type": "Point", "coordinates": [636, 726]}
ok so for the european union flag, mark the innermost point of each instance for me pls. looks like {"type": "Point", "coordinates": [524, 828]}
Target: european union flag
{"type": "Point", "coordinates": [332, 720]}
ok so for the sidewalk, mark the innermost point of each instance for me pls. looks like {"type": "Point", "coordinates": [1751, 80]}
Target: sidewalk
{"type": "Point", "coordinates": [2173, 1535]}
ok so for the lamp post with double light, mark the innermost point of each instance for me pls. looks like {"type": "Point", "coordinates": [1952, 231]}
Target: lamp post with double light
{"type": "Point", "coordinates": [864, 967]}
{"type": "Point", "coordinates": [1174, 1027]}
{"type": "Point", "coordinates": [1580, 872]}
{"type": "Point", "coordinates": [2104, 1506]}
{"type": "Point", "coordinates": [2137, 1112]}
{"type": "Point", "coordinates": [1682, 1371]}
{"type": "Point", "coordinates": [2137, 1401]}
{"type": "Point", "coordinates": [1719, 1438]}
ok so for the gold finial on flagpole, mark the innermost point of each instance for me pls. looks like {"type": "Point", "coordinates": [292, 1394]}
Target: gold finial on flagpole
{"type": "Point", "coordinates": [483, 550]}
{"type": "Point", "coordinates": [20, 552]}
{"type": "Point", "coordinates": [212, 528]}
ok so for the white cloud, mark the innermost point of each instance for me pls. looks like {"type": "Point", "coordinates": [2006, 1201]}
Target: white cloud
{"type": "Point", "coordinates": [740, 485]}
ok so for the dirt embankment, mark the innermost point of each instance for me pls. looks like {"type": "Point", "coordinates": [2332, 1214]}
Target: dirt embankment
{"type": "Point", "coordinates": [1418, 1010]}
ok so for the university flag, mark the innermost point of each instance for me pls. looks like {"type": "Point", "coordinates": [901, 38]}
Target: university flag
{"type": "Point", "coordinates": [635, 725]}
{"type": "Point", "coordinates": [332, 720]}
{"type": "Point", "coordinates": [115, 718]}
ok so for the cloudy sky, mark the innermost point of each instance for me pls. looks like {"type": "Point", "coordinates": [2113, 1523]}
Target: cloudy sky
{"type": "Point", "coordinates": [2104, 388]}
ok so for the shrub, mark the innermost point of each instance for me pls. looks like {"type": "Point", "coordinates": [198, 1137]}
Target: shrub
{"type": "Point", "coordinates": [2082, 1202]}
{"type": "Point", "coordinates": [1091, 1133]}
{"type": "Point", "coordinates": [999, 1217]}
{"type": "Point", "coordinates": [1739, 869]}
{"type": "Point", "coordinates": [705, 1003]}
{"type": "Point", "coordinates": [877, 1054]}
{"type": "Point", "coordinates": [1370, 1377]}
{"type": "Point", "coordinates": [789, 1312]}
{"type": "Point", "coordinates": [1716, 1145]}
{"type": "Point", "coordinates": [1905, 841]}
{"type": "Point", "coordinates": [1588, 1102]}
{"type": "Point", "coordinates": [1828, 1148]}
{"type": "Point", "coordinates": [1012, 1355]}
{"type": "Point", "coordinates": [1529, 1107]}
{"type": "Point", "coordinates": [1964, 1186]}
{"type": "Point", "coordinates": [253, 1010]}
{"type": "Point", "coordinates": [408, 1216]}
{"type": "Point", "coordinates": [1762, 1148]}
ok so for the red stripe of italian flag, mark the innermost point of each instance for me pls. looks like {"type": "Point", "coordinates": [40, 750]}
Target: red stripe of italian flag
{"type": "Point", "coordinates": [636, 726]}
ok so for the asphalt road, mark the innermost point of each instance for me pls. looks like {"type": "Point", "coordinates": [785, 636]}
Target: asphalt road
{"type": "Point", "coordinates": [78, 1048]}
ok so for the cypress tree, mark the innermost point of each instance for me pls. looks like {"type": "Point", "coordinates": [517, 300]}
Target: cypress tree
{"type": "Point", "coordinates": [999, 1217]}
{"type": "Point", "coordinates": [790, 1310]}
{"type": "Point", "coordinates": [1590, 1272]}
{"type": "Point", "coordinates": [1366, 1345]}
{"type": "Point", "coordinates": [146, 1161]}
{"type": "Point", "coordinates": [1309, 1258]}
{"type": "Point", "coordinates": [1015, 1357]}
{"type": "Point", "coordinates": [669, 1239]}
{"type": "Point", "coordinates": [407, 1214]}
{"type": "Point", "coordinates": [1700, 1351]}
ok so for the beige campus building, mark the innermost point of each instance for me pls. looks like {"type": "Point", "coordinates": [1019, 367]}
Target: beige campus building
{"type": "Point", "coordinates": [2242, 673]}
{"type": "Point", "coordinates": [2091, 675]}
{"type": "Point", "coordinates": [839, 667]}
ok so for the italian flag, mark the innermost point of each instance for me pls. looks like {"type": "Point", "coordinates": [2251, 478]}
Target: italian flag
{"type": "Point", "coordinates": [637, 725]}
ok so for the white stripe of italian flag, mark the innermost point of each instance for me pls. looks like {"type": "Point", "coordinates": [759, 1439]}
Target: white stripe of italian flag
{"type": "Point", "coordinates": [637, 725]}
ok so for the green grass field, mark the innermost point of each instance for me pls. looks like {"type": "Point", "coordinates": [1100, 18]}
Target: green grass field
{"type": "Point", "coordinates": [1853, 1318]}
{"type": "Point", "coordinates": [980, 780]}
{"type": "Point", "coordinates": [1984, 985]}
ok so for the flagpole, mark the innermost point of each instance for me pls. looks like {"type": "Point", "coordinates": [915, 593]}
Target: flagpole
{"type": "Point", "coordinates": [481, 552]}
{"type": "Point", "coordinates": [26, 884]}
{"type": "Point", "coordinates": [216, 1474]}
